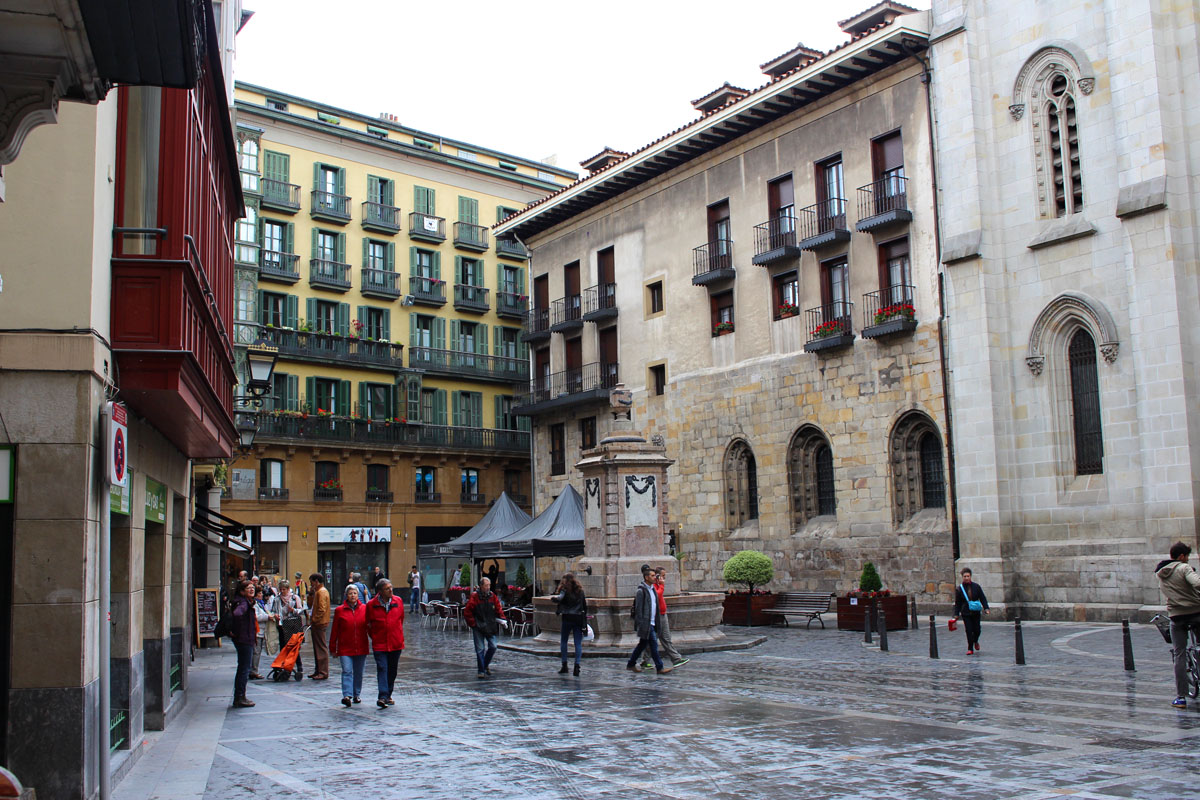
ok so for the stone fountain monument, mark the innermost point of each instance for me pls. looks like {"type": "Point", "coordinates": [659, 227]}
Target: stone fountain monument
{"type": "Point", "coordinates": [625, 505]}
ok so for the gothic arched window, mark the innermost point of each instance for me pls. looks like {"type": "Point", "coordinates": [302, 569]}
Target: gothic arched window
{"type": "Point", "coordinates": [1085, 404]}
{"type": "Point", "coordinates": [741, 485]}
{"type": "Point", "coordinates": [1062, 144]}
{"type": "Point", "coordinates": [810, 475]}
{"type": "Point", "coordinates": [918, 477]}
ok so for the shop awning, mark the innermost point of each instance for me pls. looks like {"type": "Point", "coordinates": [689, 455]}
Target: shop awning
{"type": "Point", "coordinates": [220, 531]}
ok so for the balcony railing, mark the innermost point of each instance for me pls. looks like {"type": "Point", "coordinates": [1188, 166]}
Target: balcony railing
{"type": "Point", "coordinates": [276, 266]}
{"type": "Point", "coordinates": [823, 224]}
{"type": "Point", "coordinates": [380, 283]}
{"type": "Point", "coordinates": [427, 291]}
{"type": "Point", "coordinates": [883, 202]}
{"type": "Point", "coordinates": [378, 496]}
{"type": "Point", "coordinates": [510, 248]}
{"type": "Point", "coordinates": [471, 237]}
{"type": "Point", "coordinates": [600, 302]}
{"type": "Point", "coordinates": [829, 326]}
{"type": "Point", "coordinates": [566, 313]}
{"type": "Point", "coordinates": [712, 262]}
{"type": "Point", "coordinates": [888, 311]}
{"type": "Point", "coordinates": [775, 240]}
{"type": "Point", "coordinates": [580, 383]}
{"type": "Point", "coordinates": [323, 274]}
{"type": "Point", "coordinates": [470, 298]}
{"type": "Point", "coordinates": [378, 217]}
{"type": "Point", "coordinates": [334, 348]}
{"type": "Point", "coordinates": [330, 206]}
{"type": "Point", "coordinates": [302, 427]}
{"type": "Point", "coordinates": [477, 365]}
{"type": "Point", "coordinates": [426, 227]}
{"type": "Point", "coordinates": [272, 493]}
{"type": "Point", "coordinates": [472, 499]}
{"type": "Point", "coordinates": [432, 498]}
{"type": "Point", "coordinates": [537, 325]}
{"type": "Point", "coordinates": [280, 196]}
{"type": "Point", "coordinates": [512, 305]}
{"type": "Point", "coordinates": [327, 495]}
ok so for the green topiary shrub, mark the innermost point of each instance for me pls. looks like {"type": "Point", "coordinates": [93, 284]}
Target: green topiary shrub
{"type": "Point", "coordinates": [749, 567]}
{"type": "Point", "coordinates": [522, 575]}
{"type": "Point", "coordinates": [869, 581]}
{"type": "Point", "coordinates": [464, 577]}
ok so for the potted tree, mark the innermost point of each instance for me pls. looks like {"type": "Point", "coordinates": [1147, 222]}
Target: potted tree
{"type": "Point", "coordinates": [750, 568]}
{"type": "Point", "coordinates": [855, 607]}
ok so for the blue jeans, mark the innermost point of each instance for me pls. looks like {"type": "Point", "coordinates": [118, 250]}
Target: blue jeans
{"type": "Point", "coordinates": [245, 654]}
{"type": "Point", "coordinates": [652, 642]}
{"type": "Point", "coordinates": [571, 625]}
{"type": "Point", "coordinates": [386, 663]}
{"type": "Point", "coordinates": [352, 674]}
{"type": "Point", "coordinates": [415, 599]}
{"type": "Point", "coordinates": [485, 648]}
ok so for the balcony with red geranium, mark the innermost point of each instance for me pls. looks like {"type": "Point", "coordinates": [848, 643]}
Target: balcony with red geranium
{"type": "Point", "coordinates": [889, 312]}
{"type": "Point", "coordinates": [829, 327]}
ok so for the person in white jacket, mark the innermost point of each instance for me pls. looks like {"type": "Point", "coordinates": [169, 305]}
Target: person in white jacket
{"type": "Point", "coordinates": [1181, 584]}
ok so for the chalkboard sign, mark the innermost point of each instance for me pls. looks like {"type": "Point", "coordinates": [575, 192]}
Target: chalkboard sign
{"type": "Point", "coordinates": [208, 607]}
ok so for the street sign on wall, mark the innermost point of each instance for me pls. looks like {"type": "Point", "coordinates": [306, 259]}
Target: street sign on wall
{"type": "Point", "coordinates": [156, 501]}
{"type": "Point", "coordinates": [8, 473]}
{"type": "Point", "coordinates": [118, 446]}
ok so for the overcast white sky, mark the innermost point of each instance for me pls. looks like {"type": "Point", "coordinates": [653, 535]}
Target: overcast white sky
{"type": "Point", "coordinates": [533, 78]}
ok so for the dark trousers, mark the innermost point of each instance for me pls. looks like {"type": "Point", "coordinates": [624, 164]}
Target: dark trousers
{"type": "Point", "coordinates": [972, 625]}
{"type": "Point", "coordinates": [320, 640]}
{"type": "Point", "coordinates": [571, 626]}
{"type": "Point", "coordinates": [650, 641]}
{"type": "Point", "coordinates": [386, 663]}
{"type": "Point", "coordinates": [245, 655]}
{"type": "Point", "coordinates": [1179, 643]}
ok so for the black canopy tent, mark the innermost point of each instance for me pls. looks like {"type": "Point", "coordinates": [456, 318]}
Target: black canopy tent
{"type": "Point", "coordinates": [503, 518]}
{"type": "Point", "coordinates": [557, 531]}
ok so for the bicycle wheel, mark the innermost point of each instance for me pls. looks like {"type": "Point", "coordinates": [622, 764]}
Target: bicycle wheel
{"type": "Point", "coordinates": [1193, 672]}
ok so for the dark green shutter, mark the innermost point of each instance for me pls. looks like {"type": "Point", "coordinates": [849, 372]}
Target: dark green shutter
{"type": "Point", "coordinates": [341, 248]}
{"type": "Point", "coordinates": [439, 407]}
{"type": "Point", "coordinates": [455, 409]}
{"type": "Point", "coordinates": [366, 261]}
{"type": "Point", "coordinates": [340, 181]}
{"type": "Point", "coordinates": [412, 332]}
{"type": "Point", "coordinates": [389, 260]}
{"type": "Point", "coordinates": [343, 398]}
{"type": "Point", "coordinates": [343, 319]}
{"type": "Point", "coordinates": [414, 398]}
{"type": "Point", "coordinates": [522, 349]}
{"type": "Point", "coordinates": [275, 166]}
{"type": "Point", "coordinates": [263, 319]}
{"type": "Point", "coordinates": [316, 243]}
{"type": "Point", "coordinates": [387, 194]}
{"type": "Point", "coordinates": [291, 314]}
{"type": "Point", "coordinates": [468, 210]}
{"type": "Point", "coordinates": [288, 235]}
{"type": "Point", "coordinates": [455, 336]}
{"type": "Point", "coordinates": [412, 262]}
{"type": "Point", "coordinates": [362, 317]}
{"type": "Point", "coordinates": [424, 201]}
{"type": "Point", "coordinates": [459, 277]}
{"type": "Point", "coordinates": [317, 176]}
{"type": "Point", "coordinates": [292, 400]}
{"type": "Point", "coordinates": [373, 190]}
{"type": "Point", "coordinates": [496, 351]}
{"type": "Point", "coordinates": [310, 308]}
{"type": "Point", "coordinates": [310, 394]}
{"type": "Point", "coordinates": [437, 264]}
{"type": "Point", "coordinates": [481, 336]}
{"type": "Point", "coordinates": [520, 280]}
{"type": "Point", "coordinates": [439, 333]}
{"type": "Point", "coordinates": [498, 402]}
{"type": "Point", "coordinates": [500, 278]}
{"type": "Point", "coordinates": [386, 335]}
{"type": "Point", "coordinates": [362, 399]}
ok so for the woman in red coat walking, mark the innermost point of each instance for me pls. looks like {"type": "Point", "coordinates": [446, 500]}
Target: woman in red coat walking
{"type": "Point", "coordinates": [385, 624]}
{"type": "Point", "coordinates": [348, 642]}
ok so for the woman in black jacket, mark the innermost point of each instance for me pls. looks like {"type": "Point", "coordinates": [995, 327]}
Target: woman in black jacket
{"type": "Point", "coordinates": [243, 634]}
{"type": "Point", "coordinates": [969, 593]}
{"type": "Point", "coordinates": [572, 612]}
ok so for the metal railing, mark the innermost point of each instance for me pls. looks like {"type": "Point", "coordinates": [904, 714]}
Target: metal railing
{"type": "Point", "coordinates": [889, 193]}
{"type": "Point", "coordinates": [511, 247]}
{"type": "Point", "coordinates": [476, 364]}
{"type": "Point", "coordinates": [326, 495]}
{"type": "Point", "coordinates": [567, 309]}
{"type": "Point", "coordinates": [380, 281]}
{"type": "Point", "coordinates": [432, 289]}
{"type": "Point", "coordinates": [378, 496]}
{"type": "Point", "coordinates": [330, 345]}
{"type": "Point", "coordinates": [470, 297]}
{"type": "Point", "coordinates": [601, 297]}
{"type": "Point", "coordinates": [280, 194]}
{"type": "Point", "coordinates": [471, 236]}
{"type": "Point", "coordinates": [822, 218]}
{"type": "Point", "coordinates": [330, 274]}
{"type": "Point", "coordinates": [329, 204]}
{"type": "Point", "coordinates": [280, 265]}
{"type": "Point", "coordinates": [299, 426]}
{"type": "Point", "coordinates": [516, 305]}
{"type": "Point", "coordinates": [379, 215]}
{"type": "Point", "coordinates": [118, 729]}
{"type": "Point", "coordinates": [589, 377]}
{"type": "Point", "coordinates": [831, 319]}
{"type": "Point", "coordinates": [714, 256]}
{"type": "Point", "coordinates": [426, 225]}
{"type": "Point", "coordinates": [538, 322]}
{"type": "Point", "coordinates": [272, 493]}
{"type": "Point", "coordinates": [894, 302]}
{"type": "Point", "coordinates": [427, 497]}
{"type": "Point", "coordinates": [775, 234]}
{"type": "Point", "coordinates": [472, 499]}
{"type": "Point", "coordinates": [175, 676]}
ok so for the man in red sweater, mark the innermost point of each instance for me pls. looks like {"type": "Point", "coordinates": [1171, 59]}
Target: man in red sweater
{"type": "Point", "coordinates": [385, 625]}
{"type": "Point", "coordinates": [483, 613]}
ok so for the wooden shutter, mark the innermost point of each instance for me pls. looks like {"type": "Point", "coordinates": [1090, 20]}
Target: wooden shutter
{"type": "Point", "coordinates": [439, 407]}
{"type": "Point", "coordinates": [439, 333]}
{"type": "Point", "coordinates": [424, 201]}
{"type": "Point", "coordinates": [456, 409]}
{"type": "Point", "coordinates": [339, 182]}
{"type": "Point", "coordinates": [522, 349]}
{"type": "Point", "coordinates": [496, 338]}
{"type": "Point", "coordinates": [362, 316]}
{"type": "Point", "coordinates": [455, 336]}
{"type": "Point", "coordinates": [389, 257]}
{"type": "Point", "coordinates": [275, 166]}
{"type": "Point", "coordinates": [289, 233]}
{"type": "Point", "coordinates": [310, 394]}
{"type": "Point", "coordinates": [341, 248]}
{"type": "Point", "coordinates": [362, 398]}
{"type": "Point", "coordinates": [310, 309]}
{"type": "Point", "coordinates": [412, 332]}
{"type": "Point", "coordinates": [343, 319]}
{"type": "Point", "coordinates": [366, 255]}
{"type": "Point", "coordinates": [437, 264]}
{"type": "Point", "coordinates": [481, 337]}
{"type": "Point", "coordinates": [263, 319]}
{"type": "Point", "coordinates": [291, 398]}
{"type": "Point", "coordinates": [343, 398]}
{"type": "Point", "coordinates": [316, 243]}
{"type": "Point", "coordinates": [498, 411]}
{"type": "Point", "coordinates": [458, 270]}
{"type": "Point", "coordinates": [291, 312]}
{"type": "Point", "coordinates": [373, 190]}
{"type": "Point", "coordinates": [387, 193]}
{"type": "Point", "coordinates": [468, 210]}
{"type": "Point", "coordinates": [414, 397]}
{"type": "Point", "coordinates": [386, 325]}
{"type": "Point", "coordinates": [317, 176]}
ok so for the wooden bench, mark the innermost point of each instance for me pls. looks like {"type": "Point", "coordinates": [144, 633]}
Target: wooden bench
{"type": "Point", "coordinates": [802, 604]}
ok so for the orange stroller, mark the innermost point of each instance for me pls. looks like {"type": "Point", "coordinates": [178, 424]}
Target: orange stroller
{"type": "Point", "coordinates": [285, 663]}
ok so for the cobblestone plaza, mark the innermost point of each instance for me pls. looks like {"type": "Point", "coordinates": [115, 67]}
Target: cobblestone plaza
{"type": "Point", "coordinates": [809, 713]}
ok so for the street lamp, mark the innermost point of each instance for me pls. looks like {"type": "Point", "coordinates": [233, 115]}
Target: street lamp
{"type": "Point", "coordinates": [260, 359]}
{"type": "Point", "coordinates": [247, 430]}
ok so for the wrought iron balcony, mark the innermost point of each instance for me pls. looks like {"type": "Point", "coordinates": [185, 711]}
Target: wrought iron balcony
{"type": "Point", "coordinates": [600, 302]}
{"type": "Point", "coordinates": [426, 227]}
{"type": "Point", "coordinates": [829, 327]}
{"type": "Point", "coordinates": [823, 224]}
{"type": "Point", "coordinates": [276, 266]}
{"type": "Point", "coordinates": [511, 305]}
{"type": "Point", "coordinates": [471, 298]}
{"type": "Point", "coordinates": [519, 499]}
{"type": "Point", "coordinates": [378, 217]}
{"type": "Point", "coordinates": [775, 240]}
{"type": "Point", "coordinates": [431, 498]}
{"type": "Point", "coordinates": [566, 314]}
{"type": "Point", "coordinates": [323, 274]}
{"type": "Point", "coordinates": [378, 496]}
{"type": "Point", "coordinates": [454, 363]}
{"type": "Point", "coordinates": [330, 207]}
{"type": "Point", "coordinates": [380, 283]}
{"type": "Point", "coordinates": [537, 325]}
{"type": "Point", "coordinates": [889, 312]}
{"type": "Point", "coordinates": [427, 291]}
{"type": "Point", "coordinates": [511, 248]}
{"type": "Point", "coordinates": [280, 196]}
{"type": "Point", "coordinates": [334, 349]}
{"type": "Point", "coordinates": [316, 428]}
{"type": "Point", "coordinates": [272, 493]}
{"type": "Point", "coordinates": [571, 387]}
{"type": "Point", "coordinates": [712, 262]}
{"type": "Point", "coordinates": [471, 237]}
{"type": "Point", "coordinates": [883, 203]}
{"type": "Point", "coordinates": [472, 499]}
{"type": "Point", "coordinates": [327, 495]}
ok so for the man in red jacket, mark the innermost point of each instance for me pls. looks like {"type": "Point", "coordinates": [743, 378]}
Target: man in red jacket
{"type": "Point", "coordinates": [385, 624]}
{"type": "Point", "coordinates": [483, 613]}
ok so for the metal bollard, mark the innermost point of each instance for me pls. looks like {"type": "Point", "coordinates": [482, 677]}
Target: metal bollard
{"type": "Point", "coordinates": [914, 614]}
{"type": "Point", "coordinates": [868, 621]}
{"type": "Point", "coordinates": [1020, 642]}
{"type": "Point", "coordinates": [882, 631]}
{"type": "Point", "coordinates": [1128, 646]}
{"type": "Point", "coordinates": [933, 653]}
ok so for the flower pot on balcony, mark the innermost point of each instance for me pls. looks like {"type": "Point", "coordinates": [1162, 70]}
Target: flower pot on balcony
{"type": "Point", "coordinates": [851, 611]}
{"type": "Point", "coordinates": [834, 342]}
{"type": "Point", "coordinates": [735, 608]}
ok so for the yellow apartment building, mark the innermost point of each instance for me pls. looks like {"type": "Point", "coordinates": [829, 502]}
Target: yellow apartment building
{"type": "Point", "coordinates": [366, 258]}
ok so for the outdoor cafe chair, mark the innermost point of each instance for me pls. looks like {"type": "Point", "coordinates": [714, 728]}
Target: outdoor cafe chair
{"type": "Point", "coordinates": [443, 614]}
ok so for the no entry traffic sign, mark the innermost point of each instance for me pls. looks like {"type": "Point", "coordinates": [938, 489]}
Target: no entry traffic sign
{"type": "Point", "coordinates": [118, 446]}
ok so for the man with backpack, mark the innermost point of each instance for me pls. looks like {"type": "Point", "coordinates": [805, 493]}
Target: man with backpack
{"type": "Point", "coordinates": [1180, 583]}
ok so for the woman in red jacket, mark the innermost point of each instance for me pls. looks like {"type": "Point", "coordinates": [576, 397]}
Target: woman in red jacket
{"type": "Point", "coordinates": [385, 623]}
{"type": "Point", "coordinates": [348, 641]}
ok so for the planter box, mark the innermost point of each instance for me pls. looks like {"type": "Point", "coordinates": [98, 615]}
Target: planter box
{"type": "Point", "coordinates": [889, 327]}
{"type": "Point", "coordinates": [829, 343]}
{"type": "Point", "coordinates": [735, 609]}
{"type": "Point", "coordinates": [894, 607]}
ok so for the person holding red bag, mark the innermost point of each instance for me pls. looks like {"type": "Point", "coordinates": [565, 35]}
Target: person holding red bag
{"type": "Point", "coordinates": [970, 604]}
{"type": "Point", "coordinates": [385, 625]}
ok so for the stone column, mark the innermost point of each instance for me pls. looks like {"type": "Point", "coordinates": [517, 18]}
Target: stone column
{"type": "Point", "coordinates": [156, 623]}
{"type": "Point", "coordinates": [127, 677]}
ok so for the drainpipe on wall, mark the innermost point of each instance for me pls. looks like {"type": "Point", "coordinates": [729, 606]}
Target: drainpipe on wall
{"type": "Point", "coordinates": [105, 628]}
